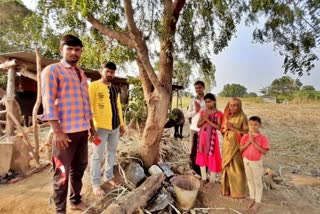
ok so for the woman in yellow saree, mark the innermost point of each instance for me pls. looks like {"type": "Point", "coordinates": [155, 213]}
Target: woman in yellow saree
{"type": "Point", "coordinates": [234, 125]}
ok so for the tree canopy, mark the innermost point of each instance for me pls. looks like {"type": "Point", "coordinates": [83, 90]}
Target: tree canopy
{"type": "Point", "coordinates": [308, 88]}
{"type": "Point", "coordinates": [289, 88]}
{"type": "Point", "coordinates": [293, 26]}
{"type": "Point", "coordinates": [233, 90]}
{"type": "Point", "coordinates": [284, 86]}
{"type": "Point", "coordinates": [215, 27]}
{"type": "Point", "coordinates": [12, 33]}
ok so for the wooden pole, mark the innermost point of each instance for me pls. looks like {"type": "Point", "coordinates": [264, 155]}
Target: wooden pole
{"type": "Point", "coordinates": [36, 106]}
{"type": "Point", "coordinates": [11, 88]}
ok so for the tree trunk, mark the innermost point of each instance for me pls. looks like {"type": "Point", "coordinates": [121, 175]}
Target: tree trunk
{"type": "Point", "coordinates": [157, 115]}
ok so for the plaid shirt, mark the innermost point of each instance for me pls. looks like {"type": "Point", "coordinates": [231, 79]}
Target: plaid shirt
{"type": "Point", "coordinates": [65, 98]}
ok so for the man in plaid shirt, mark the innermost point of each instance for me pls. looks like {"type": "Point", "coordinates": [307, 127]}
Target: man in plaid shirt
{"type": "Point", "coordinates": [67, 108]}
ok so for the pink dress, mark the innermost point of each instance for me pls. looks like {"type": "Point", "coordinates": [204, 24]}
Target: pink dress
{"type": "Point", "coordinates": [208, 151]}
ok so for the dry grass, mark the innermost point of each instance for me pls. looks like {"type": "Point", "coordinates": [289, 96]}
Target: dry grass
{"type": "Point", "coordinates": [222, 101]}
{"type": "Point", "coordinates": [293, 130]}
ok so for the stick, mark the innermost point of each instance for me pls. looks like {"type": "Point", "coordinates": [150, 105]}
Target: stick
{"type": "Point", "coordinates": [2, 137]}
{"type": "Point", "coordinates": [123, 191]}
{"type": "Point", "coordinates": [280, 173]}
{"type": "Point", "coordinates": [175, 209]}
{"type": "Point", "coordinates": [44, 124]}
{"type": "Point", "coordinates": [234, 210]}
{"type": "Point", "coordinates": [130, 157]}
{"type": "Point", "coordinates": [36, 106]}
{"type": "Point", "coordinates": [209, 208]}
{"type": "Point", "coordinates": [128, 183]}
{"type": "Point", "coordinates": [14, 119]}
{"type": "Point", "coordinates": [146, 211]}
{"type": "Point", "coordinates": [267, 211]}
{"type": "Point", "coordinates": [28, 174]}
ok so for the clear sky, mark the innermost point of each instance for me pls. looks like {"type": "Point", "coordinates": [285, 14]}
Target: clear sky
{"type": "Point", "coordinates": [252, 65]}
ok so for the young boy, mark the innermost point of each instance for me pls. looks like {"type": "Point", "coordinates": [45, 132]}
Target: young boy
{"type": "Point", "coordinates": [253, 146]}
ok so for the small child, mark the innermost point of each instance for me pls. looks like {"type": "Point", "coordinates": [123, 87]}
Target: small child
{"type": "Point", "coordinates": [253, 146]}
{"type": "Point", "coordinates": [208, 152]}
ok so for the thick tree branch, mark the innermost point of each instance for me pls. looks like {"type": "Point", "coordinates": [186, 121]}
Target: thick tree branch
{"type": "Point", "coordinates": [122, 37]}
{"type": "Point", "coordinates": [174, 8]}
{"type": "Point", "coordinates": [171, 16]}
{"type": "Point", "coordinates": [177, 7]}
{"type": "Point", "coordinates": [141, 46]}
{"type": "Point", "coordinates": [146, 83]}
{"type": "Point", "coordinates": [167, 4]}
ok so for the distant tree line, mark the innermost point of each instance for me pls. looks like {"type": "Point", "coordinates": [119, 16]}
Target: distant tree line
{"type": "Point", "coordinates": [284, 88]}
{"type": "Point", "coordinates": [236, 90]}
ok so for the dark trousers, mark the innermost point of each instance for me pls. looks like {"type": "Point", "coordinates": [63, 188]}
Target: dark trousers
{"type": "Point", "coordinates": [72, 162]}
{"type": "Point", "coordinates": [193, 155]}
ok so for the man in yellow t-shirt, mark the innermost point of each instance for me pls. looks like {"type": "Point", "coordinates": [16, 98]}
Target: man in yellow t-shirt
{"type": "Point", "coordinates": [108, 119]}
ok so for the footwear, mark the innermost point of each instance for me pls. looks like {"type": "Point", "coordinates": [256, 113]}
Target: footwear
{"type": "Point", "coordinates": [81, 206]}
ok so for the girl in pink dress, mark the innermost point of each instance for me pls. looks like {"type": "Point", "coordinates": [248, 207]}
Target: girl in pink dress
{"type": "Point", "coordinates": [208, 154]}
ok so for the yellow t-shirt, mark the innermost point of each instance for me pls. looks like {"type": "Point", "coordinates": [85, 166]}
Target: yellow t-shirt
{"type": "Point", "coordinates": [102, 97]}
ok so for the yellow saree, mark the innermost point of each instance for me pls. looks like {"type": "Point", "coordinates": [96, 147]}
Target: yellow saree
{"type": "Point", "coordinates": [233, 175]}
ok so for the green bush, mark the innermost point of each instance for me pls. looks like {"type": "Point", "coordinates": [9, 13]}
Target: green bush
{"type": "Point", "coordinates": [136, 110]}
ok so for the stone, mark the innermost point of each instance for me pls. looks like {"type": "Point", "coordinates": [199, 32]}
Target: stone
{"type": "Point", "coordinates": [135, 173]}
{"type": "Point", "coordinates": [315, 173]}
{"type": "Point", "coordinates": [6, 149]}
{"type": "Point", "coordinates": [154, 169]}
{"type": "Point", "coordinates": [180, 170]}
{"type": "Point", "coordinates": [166, 169]}
{"type": "Point", "coordinates": [21, 157]}
{"type": "Point", "coordinates": [161, 201]}
{"type": "Point", "coordinates": [193, 211]}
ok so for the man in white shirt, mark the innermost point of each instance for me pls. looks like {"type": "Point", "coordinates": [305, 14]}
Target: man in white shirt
{"type": "Point", "coordinates": [193, 113]}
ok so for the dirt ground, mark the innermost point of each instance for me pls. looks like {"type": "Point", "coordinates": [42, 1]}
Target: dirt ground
{"type": "Point", "coordinates": [294, 135]}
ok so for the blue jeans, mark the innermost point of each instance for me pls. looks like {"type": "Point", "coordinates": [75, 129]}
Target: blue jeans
{"type": "Point", "coordinates": [109, 143]}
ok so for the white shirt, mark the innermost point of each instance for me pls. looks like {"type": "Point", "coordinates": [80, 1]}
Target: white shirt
{"type": "Point", "coordinates": [191, 113]}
